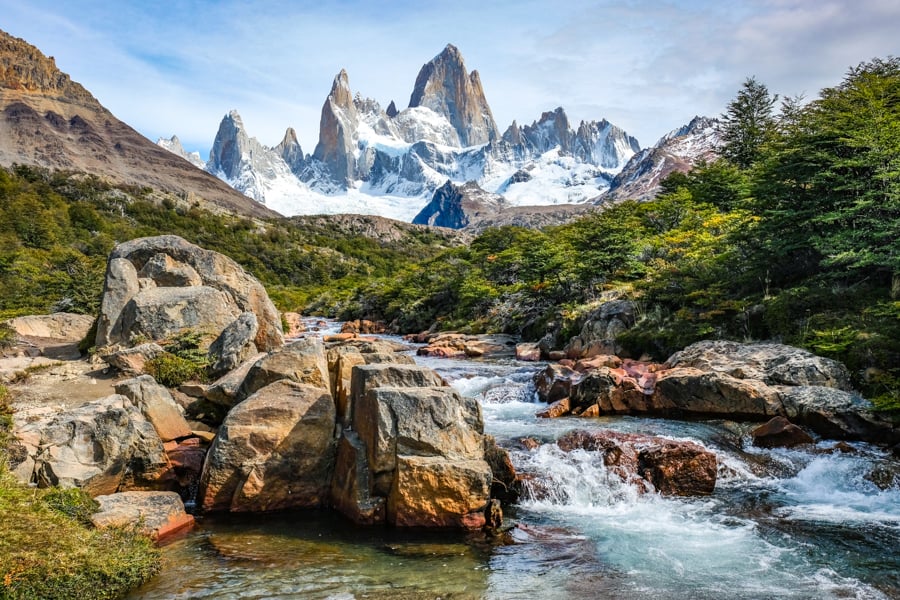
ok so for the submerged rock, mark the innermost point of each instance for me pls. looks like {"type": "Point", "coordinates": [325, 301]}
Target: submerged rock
{"type": "Point", "coordinates": [779, 433]}
{"type": "Point", "coordinates": [674, 468]}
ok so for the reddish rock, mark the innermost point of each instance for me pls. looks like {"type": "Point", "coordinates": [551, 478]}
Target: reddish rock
{"type": "Point", "coordinates": [530, 443]}
{"type": "Point", "coordinates": [363, 326]}
{"type": "Point", "coordinates": [157, 514]}
{"type": "Point", "coordinates": [556, 355]}
{"type": "Point", "coordinates": [779, 433]}
{"type": "Point", "coordinates": [679, 468]}
{"type": "Point", "coordinates": [557, 409]}
{"type": "Point", "coordinates": [555, 382]}
{"type": "Point", "coordinates": [595, 362]}
{"type": "Point", "coordinates": [505, 483]}
{"type": "Point", "coordinates": [339, 337]}
{"type": "Point", "coordinates": [590, 412]}
{"type": "Point", "coordinates": [528, 352]}
{"type": "Point", "coordinates": [674, 468]}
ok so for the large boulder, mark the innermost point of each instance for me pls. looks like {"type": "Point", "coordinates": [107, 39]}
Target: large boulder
{"type": "Point", "coordinates": [160, 285]}
{"type": "Point", "coordinates": [302, 361]}
{"type": "Point", "coordinates": [723, 379]}
{"type": "Point", "coordinates": [601, 329]}
{"type": "Point", "coordinates": [275, 450]}
{"type": "Point", "coordinates": [155, 514]}
{"type": "Point", "coordinates": [61, 326]}
{"type": "Point", "coordinates": [413, 451]}
{"type": "Point", "coordinates": [417, 421]}
{"type": "Point", "coordinates": [102, 447]}
{"type": "Point", "coordinates": [157, 405]}
{"type": "Point", "coordinates": [772, 364]}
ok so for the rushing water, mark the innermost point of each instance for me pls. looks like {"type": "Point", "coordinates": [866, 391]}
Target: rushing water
{"type": "Point", "coordinates": [781, 524]}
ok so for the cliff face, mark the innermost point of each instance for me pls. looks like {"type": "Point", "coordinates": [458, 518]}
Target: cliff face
{"type": "Point", "coordinates": [337, 131]}
{"type": "Point", "coordinates": [456, 206]}
{"type": "Point", "coordinates": [444, 86]}
{"type": "Point", "coordinates": [48, 120]}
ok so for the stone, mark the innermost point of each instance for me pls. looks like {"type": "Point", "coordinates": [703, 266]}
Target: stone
{"type": "Point", "coordinates": [690, 390]}
{"type": "Point", "coordinates": [554, 382]}
{"type": "Point", "coordinates": [837, 414]}
{"type": "Point", "coordinates": [119, 287]}
{"type": "Point", "coordinates": [157, 405]}
{"type": "Point", "coordinates": [418, 421]}
{"type": "Point", "coordinates": [505, 485]}
{"type": "Point", "coordinates": [458, 345]}
{"type": "Point", "coordinates": [672, 467]}
{"type": "Point", "coordinates": [366, 377]}
{"type": "Point", "coordinates": [493, 516]}
{"type": "Point", "coordinates": [772, 364]}
{"type": "Point", "coordinates": [559, 408]}
{"type": "Point", "coordinates": [679, 468]}
{"type": "Point", "coordinates": [101, 447]}
{"type": "Point", "coordinates": [160, 313]}
{"type": "Point", "coordinates": [186, 459]}
{"type": "Point", "coordinates": [779, 433]}
{"type": "Point", "coordinates": [155, 514]}
{"type": "Point", "coordinates": [429, 491]}
{"type": "Point", "coordinates": [68, 327]}
{"type": "Point", "coordinates": [234, 345]}
{"type": "Point", "coordinates": [601, 329]}
{"type": "Point", "coordinates": [528, 351]}
{"type": "Point", "coordinates": [133, 361]}
{"type": "Point", "coordinates": [351, 485]}
{"type": "Point", "coordinates": [165, 271]}
{"type": "Point", "coordinates": [363, 326]}
{"type": "Point", "coordinates": [275, 450]}
{"type": "Point", "coordinates": [172, 260]}
{"type": "Point", "coordinates": [302, 361]}
{"type": "Point", "coordinates": [225, 390]}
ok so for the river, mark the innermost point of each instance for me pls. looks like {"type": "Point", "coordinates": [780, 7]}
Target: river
{"type": "Point", "coordinates": [808, 523]}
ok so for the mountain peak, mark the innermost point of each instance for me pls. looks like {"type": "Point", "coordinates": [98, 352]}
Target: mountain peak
{"type": "Point", "coordinates": [26, 69]}
{"type": "Point", "coordinates": [340, 90]}
{"type": "Point", "coordinates": [444, 86]}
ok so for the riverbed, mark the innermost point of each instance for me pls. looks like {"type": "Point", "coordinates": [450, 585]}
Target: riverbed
{"type": "Point", "coordinates": [810, 523]}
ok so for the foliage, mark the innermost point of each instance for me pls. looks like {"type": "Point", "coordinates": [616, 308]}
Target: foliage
{"type": "Point", "coordinates": [183, 360]}
{"type": "Point", "coordinates": [7, 336]}
{"type": "Point", "coordinates": [57, 230]}
{"type": "Point", "coordinates": [747, 124]}
{"type": "Point", "coordinates": [46, 553]}
{"type": "Point", "coordinates": [794, 236]}
{"type": "Point", "coordinates": [72, 502]}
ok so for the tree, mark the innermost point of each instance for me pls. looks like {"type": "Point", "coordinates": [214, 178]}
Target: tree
{"type": "Point", "coordinates": [747, 124]}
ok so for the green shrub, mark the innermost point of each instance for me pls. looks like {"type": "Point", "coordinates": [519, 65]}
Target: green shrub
{"type": "Point", "coordinates": [171, 370]}
{"type": "Point", "coordinates": [72, 502]}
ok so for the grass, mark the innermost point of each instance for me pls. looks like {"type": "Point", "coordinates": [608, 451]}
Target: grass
{"type": "Point", "coordinates": [47, 549]}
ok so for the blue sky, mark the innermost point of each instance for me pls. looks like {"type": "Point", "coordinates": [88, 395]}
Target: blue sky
{"type": "Point", "coordinates": [646, 65]}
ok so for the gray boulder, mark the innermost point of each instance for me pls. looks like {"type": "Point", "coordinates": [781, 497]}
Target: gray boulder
{"type": "Point", "coordinates": [235, 344]}
{"type": "Point", "coordinates": [157, 405]}
{"type": "Point", "coordinates": [159, 285]}
{"type": "Point", "coordinates": [102, 447]}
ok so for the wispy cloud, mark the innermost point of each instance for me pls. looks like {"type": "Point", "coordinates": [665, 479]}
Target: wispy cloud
{"type": "Point", "coordinates": [646, 65]}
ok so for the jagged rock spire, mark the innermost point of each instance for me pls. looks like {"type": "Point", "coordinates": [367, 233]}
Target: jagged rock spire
{"type": "Point", "coordinates": [444, 86]}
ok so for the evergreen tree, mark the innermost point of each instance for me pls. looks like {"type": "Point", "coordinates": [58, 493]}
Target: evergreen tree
{"type": "Point", "coordinates": [747, 124]}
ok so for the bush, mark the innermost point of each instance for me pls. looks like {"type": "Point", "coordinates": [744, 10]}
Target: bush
{"type": "Point", "coordinates": [171, 370]}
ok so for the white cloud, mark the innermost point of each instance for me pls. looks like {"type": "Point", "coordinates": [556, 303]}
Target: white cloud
{"type": "Point", "coordinates": [646, 65]}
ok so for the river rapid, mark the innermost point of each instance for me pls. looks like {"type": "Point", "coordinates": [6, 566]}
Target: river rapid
{"type": "Point", "coordinates": [811, 523]}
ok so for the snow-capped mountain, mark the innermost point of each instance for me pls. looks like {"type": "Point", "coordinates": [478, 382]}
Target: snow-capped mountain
{"type": "Point", "coordinates": [390, 162]}
{"type": "Point", "coordinates": [174, 146]}
{"type": "Point", "coordinates": [678, 150]}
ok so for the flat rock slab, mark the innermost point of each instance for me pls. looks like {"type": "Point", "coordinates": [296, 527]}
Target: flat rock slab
{"type": "Point", "coordinates": [156, 514]}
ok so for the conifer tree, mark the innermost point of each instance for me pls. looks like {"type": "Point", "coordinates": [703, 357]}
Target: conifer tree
{"type": "Point", "coordinates": [747, 123]}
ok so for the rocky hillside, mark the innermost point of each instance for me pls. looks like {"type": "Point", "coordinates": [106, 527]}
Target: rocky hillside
{"type": "Point", "coordinates": [679, 150]}
{"type": "Point", "coordinates": [48, 120]}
